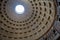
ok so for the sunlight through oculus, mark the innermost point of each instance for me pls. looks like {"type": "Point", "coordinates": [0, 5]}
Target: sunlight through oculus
{"type": "Point", "coordinates": [19, 9]}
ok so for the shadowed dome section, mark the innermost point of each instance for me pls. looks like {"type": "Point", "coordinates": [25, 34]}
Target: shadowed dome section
{"type": "Point", "coordinates": [37, 19]}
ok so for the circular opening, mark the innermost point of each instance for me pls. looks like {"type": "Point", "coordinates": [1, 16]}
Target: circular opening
{"type": "Point", "coordinates": [19, 9]}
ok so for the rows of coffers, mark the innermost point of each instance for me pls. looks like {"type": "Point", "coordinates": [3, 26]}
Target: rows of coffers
{"type": "Point", "coordinates": [32, 18]}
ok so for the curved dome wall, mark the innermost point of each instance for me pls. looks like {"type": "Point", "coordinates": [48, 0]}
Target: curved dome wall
{"type": "Point", "coordinates": [34, 23]}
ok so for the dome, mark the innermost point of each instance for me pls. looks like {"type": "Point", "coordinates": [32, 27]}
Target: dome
{"type": "Point", "coordinates": [26, 19]}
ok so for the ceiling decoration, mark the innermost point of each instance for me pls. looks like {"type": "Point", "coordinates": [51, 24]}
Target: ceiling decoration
{"type": "Point", "coordinates": [33, 24]}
